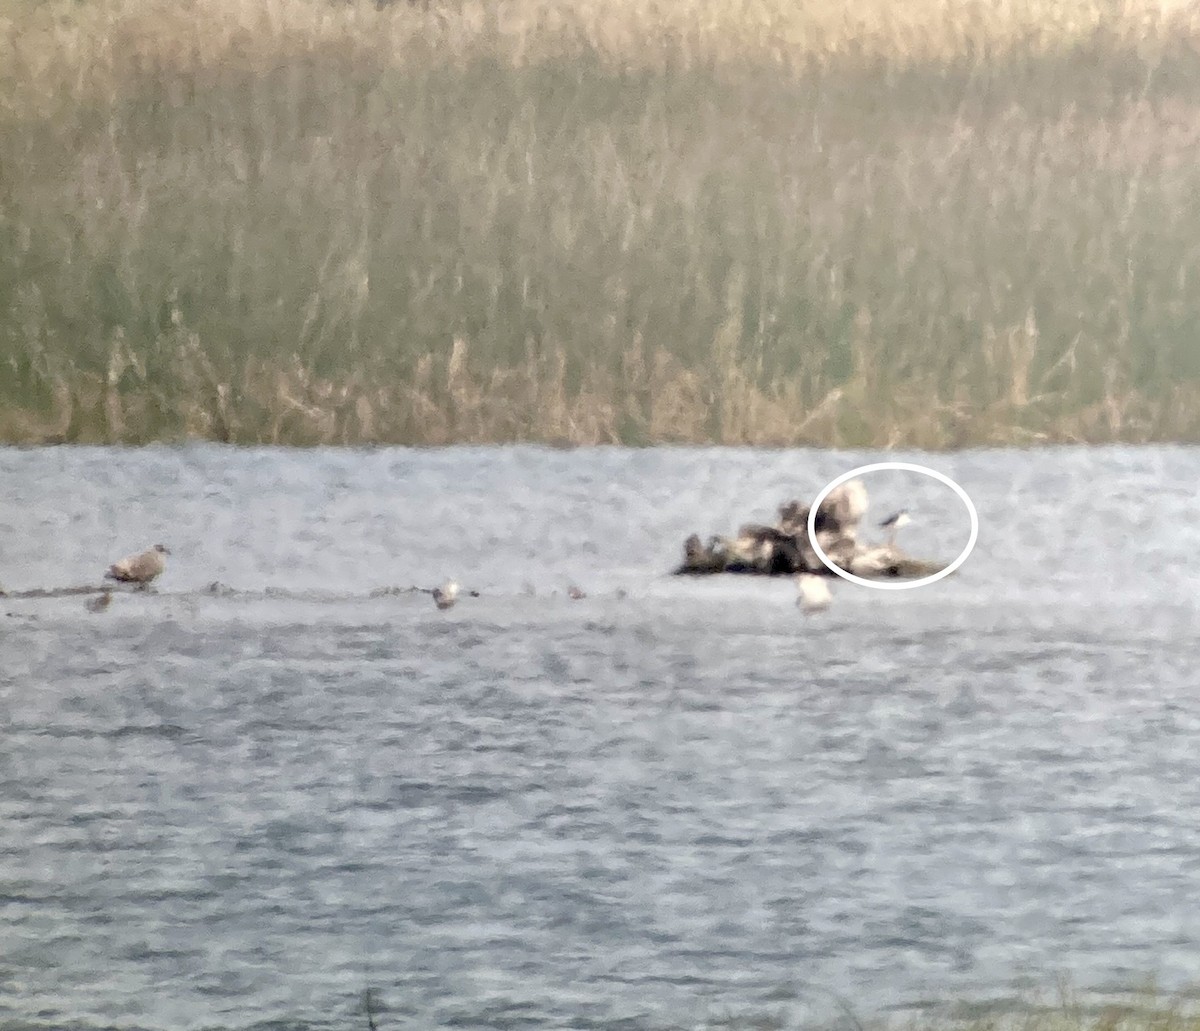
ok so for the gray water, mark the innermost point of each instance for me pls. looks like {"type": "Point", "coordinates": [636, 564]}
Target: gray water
{"type": "Point", "coordinates": [673, 803]}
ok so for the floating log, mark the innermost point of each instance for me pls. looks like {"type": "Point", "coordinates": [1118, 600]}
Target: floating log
{"type": "Point", "coordinates": [785, 550]}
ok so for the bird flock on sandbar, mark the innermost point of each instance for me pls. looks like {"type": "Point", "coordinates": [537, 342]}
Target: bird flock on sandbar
{"type": "Point", "coordinates": [811, 544]}
{"type": "Point", "coordinates": [755, 549]}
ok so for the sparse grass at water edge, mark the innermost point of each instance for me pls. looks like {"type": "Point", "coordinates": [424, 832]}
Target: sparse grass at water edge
{"type": "Point", "coordinates": [742, 221]}
{"type": "Point", "coordinates": [1146, 1009]}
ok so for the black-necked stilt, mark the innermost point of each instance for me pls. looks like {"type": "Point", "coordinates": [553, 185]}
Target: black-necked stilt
{"type": "Point", "coordinates": [894, 522]}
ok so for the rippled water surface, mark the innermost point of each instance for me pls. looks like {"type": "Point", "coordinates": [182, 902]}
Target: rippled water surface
{"type": "Point", "coordinates": [672, 803]}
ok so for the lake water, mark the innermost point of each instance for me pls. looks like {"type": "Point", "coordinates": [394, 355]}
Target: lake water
{"type": "Point", "coordinates": [673, 803]}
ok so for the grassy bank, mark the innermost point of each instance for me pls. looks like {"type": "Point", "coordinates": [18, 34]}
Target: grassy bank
{"type": "Point", "coordinates": [1136, 1009]}
{"type": "Point", "coordinates": [938, 223]}
{"type": "Point", "coordinates": [1145, 1009]}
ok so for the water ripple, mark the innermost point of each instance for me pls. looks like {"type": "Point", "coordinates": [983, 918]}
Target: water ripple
{"type": "Point", "coordinates": [282, 780]}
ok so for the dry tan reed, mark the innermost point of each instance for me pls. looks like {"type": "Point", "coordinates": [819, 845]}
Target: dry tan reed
{"type": "Point", "coordinates": [932, 224]}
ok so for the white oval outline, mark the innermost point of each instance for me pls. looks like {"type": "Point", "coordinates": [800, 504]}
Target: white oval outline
{"type": "Point", "coordinates": [907, 467]}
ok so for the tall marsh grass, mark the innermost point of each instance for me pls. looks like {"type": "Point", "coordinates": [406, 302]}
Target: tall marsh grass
{"type": "Point", "coordinates": [839, 222]}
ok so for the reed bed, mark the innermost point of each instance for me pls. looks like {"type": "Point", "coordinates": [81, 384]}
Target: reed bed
{"type": "Point", "coordinates": [838, 222]}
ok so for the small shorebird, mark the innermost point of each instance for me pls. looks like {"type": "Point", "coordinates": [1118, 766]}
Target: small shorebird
{"type": "Point", "coordinates": [894, 522]}
{"type": "Point", "coordinates": [815, 595]}
{"type": "Point", "coordinates": [100, 602]}
{"type": "Point", "coordinates": [140, 568]}
{"type": "Point", "coordinates": [446, 595]}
